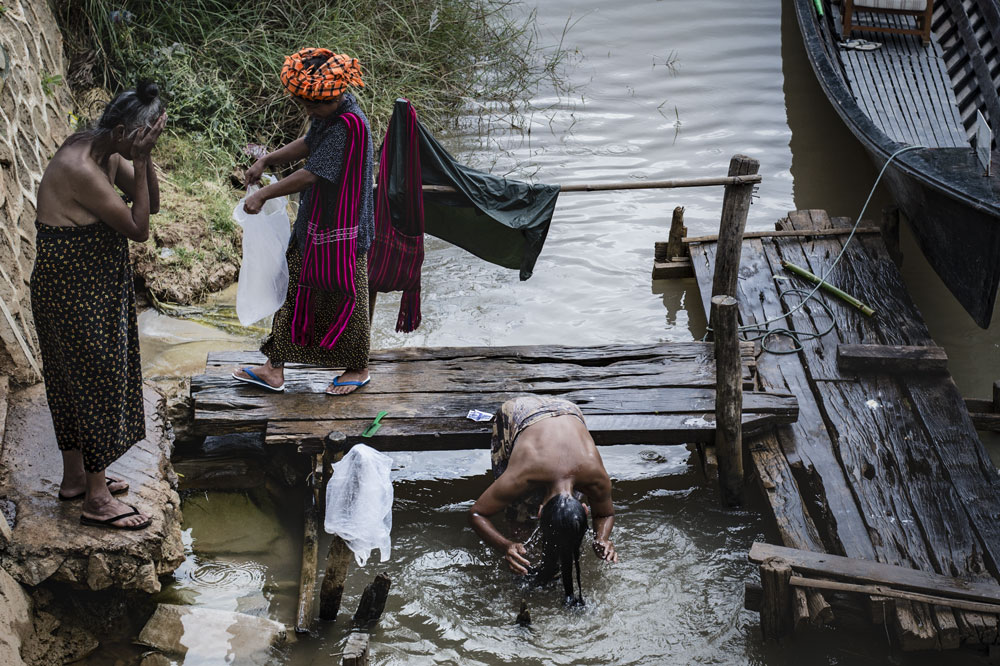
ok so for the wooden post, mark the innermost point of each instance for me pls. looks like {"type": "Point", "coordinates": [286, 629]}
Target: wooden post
{"type": "Point", "coordinates": [338, 558]}
{"type": "Point", "coordinates": [675, 246]}
{"type": "Point", "coordinates": [996, 396]}
{"type": "Point", "coordinates": [356, 650]}
{"type": "Point", "coordinates": [372, 603]}
{"type": "Point", "coordinates": [728, 400]}
{"type": "Point", "coordinates": [776, 612]}
{"type": "Point", "coordinates": [310, 552]}
{"type": "Point", "coordinates": [735, 206]}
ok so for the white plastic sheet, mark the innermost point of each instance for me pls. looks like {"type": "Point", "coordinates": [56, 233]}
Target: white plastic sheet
{"type": "Point", "coordinates": [359, 502]}
{"type": "Point", "coordinates": [263, 280]}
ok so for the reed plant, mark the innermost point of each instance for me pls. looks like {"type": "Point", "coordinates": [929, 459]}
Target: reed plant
{"type": "Point", "coordinates": [218, 60]}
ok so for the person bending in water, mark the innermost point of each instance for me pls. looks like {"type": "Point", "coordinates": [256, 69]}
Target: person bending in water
{"type": "Point", "coordinates": [554, 464]}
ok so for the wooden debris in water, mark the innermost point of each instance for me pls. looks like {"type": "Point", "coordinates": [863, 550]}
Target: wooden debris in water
{"type": "Point", "coordinates": [372, 603]}
{"type": "Point", "coordinates": [524, 616]}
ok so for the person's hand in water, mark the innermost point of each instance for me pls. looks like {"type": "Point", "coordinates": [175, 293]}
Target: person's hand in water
{"type": "Point", "coordinates": [605, 550]}
{"type": "Point", "coordinates": [517, 558]}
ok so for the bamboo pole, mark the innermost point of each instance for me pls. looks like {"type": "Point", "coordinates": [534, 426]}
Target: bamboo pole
{"type": "Point", "coordinates": [826, 286]}
{"type": "Point", "coordinates": [728, 399]}
{"type": "Point", "coordinates": [732, 179]}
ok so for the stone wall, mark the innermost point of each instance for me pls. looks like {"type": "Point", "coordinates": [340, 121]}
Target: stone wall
{"type": "Point", "coordinates": [34, 119]}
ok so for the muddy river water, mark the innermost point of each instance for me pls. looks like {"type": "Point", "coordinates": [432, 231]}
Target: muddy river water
{"type": "Point", "coordinates": [664, 89]}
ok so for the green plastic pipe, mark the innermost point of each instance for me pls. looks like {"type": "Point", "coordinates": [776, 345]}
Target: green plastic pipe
{"type": "Point", "coordinates": [826, 286]}
{"type": "Point", "coordinates": [819, 7]}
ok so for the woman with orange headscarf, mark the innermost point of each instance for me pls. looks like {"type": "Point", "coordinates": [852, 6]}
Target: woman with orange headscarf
{"type": "Point", "coordinates": [324, 320]}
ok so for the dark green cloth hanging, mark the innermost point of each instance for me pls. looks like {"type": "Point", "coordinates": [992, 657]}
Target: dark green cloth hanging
{"type": "Point", "coordinates": [500, 220]}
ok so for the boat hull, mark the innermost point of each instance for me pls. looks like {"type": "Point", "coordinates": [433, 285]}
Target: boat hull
{"type": "Point", "coordinates": [952, 208]}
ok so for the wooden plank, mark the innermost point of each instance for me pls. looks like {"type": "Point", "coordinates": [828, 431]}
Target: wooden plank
{"type": "Point", "coordinates": [460, 433]}
{"type": "Point", "coordinates": [671, 270]}
{"type": "Point", "coordinates": [243, 409]}
{"type": "Point", "coordinates": [479, 375]}
{"type": "Point", "coordinates": [795, 233]}
{"type": "Point", "coordinates": [806, 442]}
{"type": "Point", "coordinates": [891, 358]}
{"type": "Point", "coordinates": [596, 355]}
{"type": "Point", "coordinates": [877, 573]}
{"type": "Point", "coordinates": [887, 591]}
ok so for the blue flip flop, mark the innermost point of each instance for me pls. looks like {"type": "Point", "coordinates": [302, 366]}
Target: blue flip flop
{"type": "Point", "coordinates": [254, 380]}
{"type": "Point", "coordinates": [348, 382]}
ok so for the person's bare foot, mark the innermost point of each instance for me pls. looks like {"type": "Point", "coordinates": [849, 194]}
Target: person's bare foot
{"type": "Point", "coordinates": [275, 377]}
{"type": "Point", "coordinates": [103, 508]}
{"type": "Point", "coordinates": [341, 388]}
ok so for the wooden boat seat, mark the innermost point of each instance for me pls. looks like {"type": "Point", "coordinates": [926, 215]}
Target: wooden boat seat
{"type": "Point", "coordinates": [921, 10]}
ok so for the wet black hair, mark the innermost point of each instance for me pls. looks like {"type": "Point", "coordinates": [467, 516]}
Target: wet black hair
{"type": "Point", "coordinates": [563, 524]}
{"type": "Point", "coordinates": [131, 108]}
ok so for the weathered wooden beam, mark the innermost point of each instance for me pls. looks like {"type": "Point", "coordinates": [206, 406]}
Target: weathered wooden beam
{"type": "Point", "coordinates": [803, 233]}
{"type": "Point", "coordinates": [735, 207]}
{"type": "Point", "coordinates": [877, 573]}
{"type": "Point", "coordinates": [673, 270]}
{"type": "Point", "coordinates": [372, 603]}
{"type": "Point", "coordinates": [885, 592]}
{"type": "Point", "coordinates": [729, 399]}
{"type": "Point", "coordinates": [776, 612]}
{"type": "Point", "coordinates": [307, 578]}
{"type": "Point", "coordinates": [891, 358]}
{"type": "Point", "coordinates": [338, 561]}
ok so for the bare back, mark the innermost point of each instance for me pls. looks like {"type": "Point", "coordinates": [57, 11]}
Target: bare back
{"type": "Point", "coordinates": [557, 449]}
{"type": "Point", "coordinates": [74, 187]}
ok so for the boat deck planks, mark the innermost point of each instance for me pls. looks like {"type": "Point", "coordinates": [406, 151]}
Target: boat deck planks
{"type": "Point", "coordinates": [904, 87]}
{"type": "Point", "coordinates": [889, 465]}
{"type": "Point", "coordinates": [655, 393]}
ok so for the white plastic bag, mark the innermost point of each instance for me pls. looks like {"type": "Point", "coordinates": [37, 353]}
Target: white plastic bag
{"type": "Point", "coordinates": [263, 281]}
{"type": "Point", "coordinates": [359, 502]}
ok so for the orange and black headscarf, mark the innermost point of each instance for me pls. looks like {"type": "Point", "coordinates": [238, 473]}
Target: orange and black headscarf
{"type": "Point", "coordinates": [323, 82]}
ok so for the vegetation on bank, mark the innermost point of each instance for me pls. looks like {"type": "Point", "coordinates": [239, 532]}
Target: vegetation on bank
{"type": "Point", "coordinates": [218, 61]}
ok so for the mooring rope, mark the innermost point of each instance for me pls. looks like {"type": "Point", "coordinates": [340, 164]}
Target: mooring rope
{"type": "Point", "coordinates": [762, 331]}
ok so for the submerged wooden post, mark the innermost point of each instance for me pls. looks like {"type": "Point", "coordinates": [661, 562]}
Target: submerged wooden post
{"type": "Point", "coordinates": [735, 207]}
{"type": "Point", "coordinates": [372, 603]}
{"type": "Point", "coordinates": [777, 609]}
{"type": "Point", "coordinates": [310, 551]}
{"type": "Point", "coordinates": [728, 399]}
{"type": "Point", "coordinates": [338, 558]}
{"type": "Point", "coordinates": [356, 649]}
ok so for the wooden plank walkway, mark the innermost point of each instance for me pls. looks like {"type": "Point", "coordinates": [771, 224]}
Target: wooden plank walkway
{"type": "Point", "coordinates": [656, 393]}
{"type": "Point", "coordinates": [879, 466]}
{"type": "Point", "coordinates": [904, 87]}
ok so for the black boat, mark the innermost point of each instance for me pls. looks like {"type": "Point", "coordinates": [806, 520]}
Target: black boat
{"type": "Point", "coordinates": [906, 92]}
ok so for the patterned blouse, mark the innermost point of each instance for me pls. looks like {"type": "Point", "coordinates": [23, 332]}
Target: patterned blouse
{"type": "Point", "coordinates": [326, 140]}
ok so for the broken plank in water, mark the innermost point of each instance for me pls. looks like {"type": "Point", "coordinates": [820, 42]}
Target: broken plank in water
{"type": "Point", "coordinates": [891, 358]}
{"type": "Point", "coordinates": [876, 573]}
{"type": "Point", "coordinates": [457, 433]}
{"type": "Point", "coordinates": [235, 409]}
